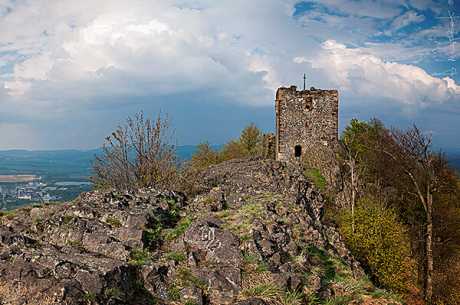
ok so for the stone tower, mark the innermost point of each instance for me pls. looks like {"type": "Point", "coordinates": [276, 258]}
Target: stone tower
{"type": "Point", "coordinates": [306, 125]}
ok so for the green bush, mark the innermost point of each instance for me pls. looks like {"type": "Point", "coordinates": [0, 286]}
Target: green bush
{"type": "Point", "coordinates": [249, 144]}
{"type": "Point", "coordinates": [316, 177]}
{"type": "Point", "coordinates": [204, 157]}
{"type": "Point", "coordinates": [380, 242]}
{"type": "Point", "coordinates": [140, 257]}
{"type": "Point", "coordinates": [180, 229]}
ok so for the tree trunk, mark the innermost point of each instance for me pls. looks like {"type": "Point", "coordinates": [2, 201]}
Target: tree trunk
{"type": "Point", "coordinates": [429, 249]}
{"type": "Point", "coordinates": [353, 196]}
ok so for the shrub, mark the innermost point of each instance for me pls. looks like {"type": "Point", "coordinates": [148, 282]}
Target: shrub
{"type": "Point", "coordinates": [379, 241]}
{"type": "Point", "coordinates": [135, 155]}
{"type": "Point", "coordinates": [251, 140]}
{"type": "Point", "coordinates": [204, 157]}
{"type": "Point", "coordinates": [176, 256]}
{"type": "Point", "coordinates": [316, 177]}
{"type": "Point", "coordinates": [267, 291]}
{"type": "Point", "coordinates": [180, 229]}
{"type": "Point", "coordinates": [139, 257]}
{"type": "Point", "coordinates": [249, 144]}
{"type": "Point", "coordinates": [114, 222]}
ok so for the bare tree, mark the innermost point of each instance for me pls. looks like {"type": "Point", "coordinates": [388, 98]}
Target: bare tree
{"type": "Point", "coordinates": [351, 162]}
{"type": "Point", "coordinates": [137, 154]}
{"type": "Point", "coordinates": [411, 151]}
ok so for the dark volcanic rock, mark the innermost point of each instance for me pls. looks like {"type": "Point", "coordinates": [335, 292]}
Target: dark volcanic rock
{"type": "Point", "coordinates": [254, 235]}
{"type": "Point", "coordinates": [72, 253]}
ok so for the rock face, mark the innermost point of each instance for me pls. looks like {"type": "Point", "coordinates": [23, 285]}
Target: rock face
{"type": "Point", "coordinates": [253, 235]}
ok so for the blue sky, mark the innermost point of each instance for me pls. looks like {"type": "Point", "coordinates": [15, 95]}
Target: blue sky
{"type": "Point", "coordinates": [71, 71]}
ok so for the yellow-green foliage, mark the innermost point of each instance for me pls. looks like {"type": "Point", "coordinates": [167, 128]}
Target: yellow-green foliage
{"type": "Point", "coordinates": [316, 177]}
{"type": "Point", "coordinates": [204, 157]}
{"type": "Point", "coordinates": [250, 143]}
{"type": "Point", "coordinates": [379, 241]}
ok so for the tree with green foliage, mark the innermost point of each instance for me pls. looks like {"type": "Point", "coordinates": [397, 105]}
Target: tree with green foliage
{"type": "Point", "coordinates": [251, 140]}
{"type": "Point", "coordinates": [233, 150]}
{"type": "Point", "coordinates": [204, 156]}
{"type": "Point", "coordinates": [400, 169]}
{"type": "Point", "coordinates": [249, 144]}
{"type": "Point", "coordinates": [412, 154]}
{"type": "Point", "coordinates": [380, 241]}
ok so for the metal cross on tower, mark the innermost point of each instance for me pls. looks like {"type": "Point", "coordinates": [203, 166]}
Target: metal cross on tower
{"type": "Point", "coordinates": [304, 81]}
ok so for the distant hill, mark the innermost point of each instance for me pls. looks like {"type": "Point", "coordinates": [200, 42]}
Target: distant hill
{"type": "Point", "coordinates": [454, 160]}
{"type": "Point", "coordinates": [76, 164]}
{"type": "Point", "coordinates": [61, 164]}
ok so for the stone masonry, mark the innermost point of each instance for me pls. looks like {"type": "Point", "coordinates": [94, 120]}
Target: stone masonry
{"type": "Point", "coordinates": [307, 127]}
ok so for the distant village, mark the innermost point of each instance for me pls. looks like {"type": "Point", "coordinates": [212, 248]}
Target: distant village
{"type": "Point", "coordinates": [13, 194]}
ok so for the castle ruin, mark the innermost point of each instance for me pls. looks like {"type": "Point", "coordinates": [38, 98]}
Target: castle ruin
{"type": "Point", "coordinates": [306, 125]}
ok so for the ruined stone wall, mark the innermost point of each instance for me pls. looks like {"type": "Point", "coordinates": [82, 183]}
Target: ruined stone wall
{"type": "Point", "coordinates": [307, 119]}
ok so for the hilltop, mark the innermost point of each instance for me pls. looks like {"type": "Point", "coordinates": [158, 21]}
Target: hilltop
{"type": "Point", "coordinates": [253, 234]}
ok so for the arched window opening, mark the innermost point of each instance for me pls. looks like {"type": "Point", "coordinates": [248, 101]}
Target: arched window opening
{"type": "Point", "coordinates": [298, 151]}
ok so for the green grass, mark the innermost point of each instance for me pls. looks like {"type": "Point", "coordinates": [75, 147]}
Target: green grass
{"type": "Point", "coordinates": [114, 222]}
{"type": "Point", "coordinates": [241, 221]}
{"type": "Point", "coordinates": [181, 227]}
{"type": "Point", "coordinates": [292, 298]}
{"type": "Point", "coordinates": [67, 219]}
{"type": "Point", "coordinates": [264, 291]}
{"type": "Point", "coordinates": [187, 278]}
{"type": "Point", "coordinates": [253, 264]}
{"type": "Point", "coordinates": [7, 214]}
{"type": "Point", "coordinates": [174, 293]}
{"type": "Point", "coordinates": [89, 296]}
{"type": "Point", "coordinates": [113, 293]}
{"type": "Point", "coordinates": [316, 177]}
{"type": "Point", "coordinates": [139, 257]}
{"type": "Point", "coordinates": [176, 256]}
{"type": "Point", "coordinates": [339, 300]}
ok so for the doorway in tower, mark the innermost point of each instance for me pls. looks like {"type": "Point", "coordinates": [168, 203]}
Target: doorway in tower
{"type": "Point", "coordinates": [298, 151]}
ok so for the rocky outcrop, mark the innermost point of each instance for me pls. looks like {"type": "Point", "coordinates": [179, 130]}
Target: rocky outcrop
{"type": "Point", "coordinates": [253, 235]}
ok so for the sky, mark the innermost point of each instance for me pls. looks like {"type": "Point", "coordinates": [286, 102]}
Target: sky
{"type": "Point", "coordinates": [71, 71]}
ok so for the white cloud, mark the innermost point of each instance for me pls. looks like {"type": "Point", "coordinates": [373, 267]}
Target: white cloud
{"type": "Point", "coordinates": [161, 47]}
{"type": "Point", "coordinates": [62, 58]}
{"type": "Point", "coordinates": [364, 74]}
{"type": "Point", "coordinates": [406, 19]}
{"type": "Point", "coordinates": [365, 8]}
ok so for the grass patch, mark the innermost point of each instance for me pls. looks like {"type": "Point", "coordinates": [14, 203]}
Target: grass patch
{"type": "Point", "coordinates": [176, 256]}
{"type": "Point", "coordinates": [113, 293]}
{"type": "Point", "coordinates": [139, 257]}
{"type": "Point", "coordinates": [187, 278]}
{"type": "Point", "coordinates": [339, 300]}
{"type": "Point", "coordinates": [174, 293]}
{"type": "Point", "coordinates": [114, 222]}
{"type": "Point", "coordinates": [328, 266]}
{"type": "Point", "coordinates": [89, 296]}
{"type": "Point", "coordinates": [292, 298]}
{"type": "Point", "coordinates": [252, 263]}
{"type": "Point", "coordinates": [8, 214]}
{"type": "Point", "coordinates": [268, 291]}
{"type": "Point", "coordinates": [180, 229]}
{"type": "Point", "coordinates": [241, 221]}
{"type": "Point", "coordinates": [67, 219]}
{"type": "Point", "coordinates": [315, 176]}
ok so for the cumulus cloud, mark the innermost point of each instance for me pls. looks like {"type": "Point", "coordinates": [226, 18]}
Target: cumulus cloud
{"type": "Point", "coordinates": [142, 48]}
{"type": "Point", "coordinates": [364, 74]}
{"type": "Point", "coordinates": [62, 59]}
